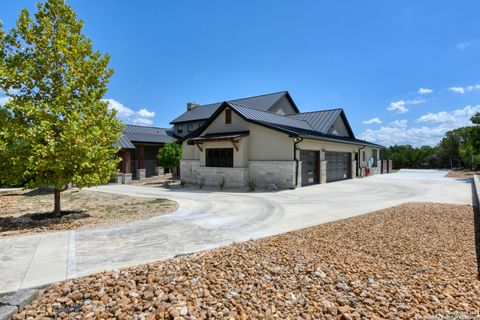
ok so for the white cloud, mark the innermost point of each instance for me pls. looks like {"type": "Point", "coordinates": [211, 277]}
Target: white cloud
{"type": "Point", "coordinates": [434, 127]}
{"type": "Point", "coordinates": [3, 101]}
{"type": "Point", "coordinates": [142, 121]}
{"type": "Point", "coordinates": [398, 106]}
{"type": "Point", "coordinates": [463, 45]}
{"type": "Point", "coordinates": [460, 117]}
{"type": "Point", "coordinates": [424, 91]}
{"type": "Point", "coordinates": [462, 90]}
{"type": "Point", "coordinates": [372, 121]}
{"type": "Point", "coordinates": [124, 113]}
{"type": "Point", "coordinates": [398, 123]}
{"type": "Point", "coordinates": [416, 101]}
{"type": "Point", "coordinates": [145, 113]}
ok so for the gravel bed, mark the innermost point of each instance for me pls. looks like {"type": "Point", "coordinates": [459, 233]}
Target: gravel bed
{"type": "Point", "coordinates": [462, 174]}
{"type": "Point", "coordinates": [415, 260]}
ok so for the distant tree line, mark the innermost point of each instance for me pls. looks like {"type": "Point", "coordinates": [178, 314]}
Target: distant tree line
{"type": "Point", "coordinates": [458, 148]}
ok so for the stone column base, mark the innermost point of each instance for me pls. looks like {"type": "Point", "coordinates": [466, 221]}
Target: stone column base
{"type": "Point", "coordinates": [159, 171]}
{"type": "Point", "coordinates": [141, 174]}
{"type": "Point", "coordinates": [118, 178]}
{"type": "Point", "coordinates": [323, 171]}
{"type": "Point", "coordinates": [354, 169]}
{"type": "Point", "coordinates": [127, 178]}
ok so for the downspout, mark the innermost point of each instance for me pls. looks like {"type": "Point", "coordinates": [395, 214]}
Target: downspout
{"type": "Point", "coordinates": [296, 160]}
{"type": "Point", "coordinates": [358, 162]}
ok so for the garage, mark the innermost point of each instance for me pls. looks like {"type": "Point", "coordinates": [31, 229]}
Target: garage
{"type": "Point", "coordinates": [338, 166]}
{"type": "Point", "coordinates": [310, 167]}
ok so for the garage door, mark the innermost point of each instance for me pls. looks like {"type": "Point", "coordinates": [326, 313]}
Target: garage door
{"type": "Point", "coordinates": [338, 166]}
{"type": "Point", "coordinates": [310, 167]}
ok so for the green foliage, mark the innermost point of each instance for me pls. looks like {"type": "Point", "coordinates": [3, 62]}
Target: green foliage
{"type": "Point", "coordinates": [170, 155]}
{"type": "Point", "coordinates": [458, 148]}
{"type": "Point", "coordinates": [59, 131]}
{"type": "Point", "coordinates": [476, 118]}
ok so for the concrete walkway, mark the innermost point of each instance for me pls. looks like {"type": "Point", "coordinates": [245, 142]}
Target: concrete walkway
{"type": "Point", "coordinates": [206, 220]}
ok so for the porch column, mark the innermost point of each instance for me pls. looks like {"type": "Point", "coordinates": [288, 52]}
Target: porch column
{"type": "Point", "coordinates": [141, 172]}
{"type": "Point", "coordinates": [126, 164]}
{"type": "Point", "coordinates": [323, 171]}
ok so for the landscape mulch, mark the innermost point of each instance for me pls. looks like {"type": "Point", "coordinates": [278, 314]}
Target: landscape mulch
{"type": "Point", "coordinates": [414, 260]}
{"type": "Point", "coordinates": [29, 211]}
{"type": "Point", "coordinates": [464, 174]}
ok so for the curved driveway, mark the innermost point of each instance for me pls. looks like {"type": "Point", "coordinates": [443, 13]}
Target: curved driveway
{"type": "Point", "coordinates": [206, 220]}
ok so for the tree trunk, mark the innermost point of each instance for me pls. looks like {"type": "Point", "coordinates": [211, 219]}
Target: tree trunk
{"type": "Point", "coordinates": [56, 207]}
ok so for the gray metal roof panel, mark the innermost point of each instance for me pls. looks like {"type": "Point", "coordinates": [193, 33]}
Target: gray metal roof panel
{"type": "Point", "coordinates": [202, 112]}
{"type": "Point", "coordinates": [320, 121]}
{"type": "Point", "coordinates": [268, 117]}
{"type": "Point", "coordinates": [147, 134]}
{"type": "Point", "coordinates": [124, 143]}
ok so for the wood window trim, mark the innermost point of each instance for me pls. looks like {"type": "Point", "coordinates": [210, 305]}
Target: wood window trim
{"type": "Point", "coordinates": [228, 116]}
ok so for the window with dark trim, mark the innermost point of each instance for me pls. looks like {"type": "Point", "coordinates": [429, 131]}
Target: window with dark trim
{"type": "Point", "coordinates": [179, 129]}
{"type": "Point", "coordinates": [219, 157]}
{"type": "Point", "coordinates": [190, 127]}
{"type": "Point", "coordinates": [364, 158]}
{"type": "Point", "coordinates": [228, 116]}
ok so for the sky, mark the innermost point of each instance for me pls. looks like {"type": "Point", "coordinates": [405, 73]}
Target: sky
{"type": "Point", "coordinates": [405, 72]}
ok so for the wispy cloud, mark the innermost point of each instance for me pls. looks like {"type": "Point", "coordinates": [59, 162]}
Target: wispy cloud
{"type": "Point", "coordinates": [433, 128]}
{"type": "Point", "coordinates": [463, 45]}
{"type": "Point", "coordinates": [372, 121]}
{"type": "Point", "coordinates": [463, 90]}
{"type": "Point", "coordinates": [398, 106]}
{"type": "Point", "coordinates": [424, 91]}
{"type": "Point", "coordinates": [416, 101]}
{"type": "Point", "coordinates": [142, 117]}
{"type": "Point", "coordinates": [398, 123]}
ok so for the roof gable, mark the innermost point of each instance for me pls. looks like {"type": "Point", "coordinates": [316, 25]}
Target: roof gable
{"type": "Point", "coordinates": [323, 120]}
{"type": "Point", "coordinates": [262, 102]}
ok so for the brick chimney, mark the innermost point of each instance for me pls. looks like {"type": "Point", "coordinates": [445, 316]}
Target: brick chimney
{"type": "Point", "coordinates": [191, 105]}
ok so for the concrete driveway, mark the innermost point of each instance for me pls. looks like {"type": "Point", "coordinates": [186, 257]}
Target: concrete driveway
{"type": "Point", "coordinates": [206, 220]}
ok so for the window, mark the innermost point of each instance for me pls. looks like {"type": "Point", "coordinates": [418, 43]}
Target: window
{"type": "Point", "coordinates": [364, 158]}
{"type": "Point", "coordinates": [219, 157]}
{"type": "Point", "coordinates": [179, 129]}
{"type": "Point", "coordinates": [228, 116]}
{"type": "Point", "coordinates": [190, 127]}
{"type": "Point", "coordinates": [374, 156]}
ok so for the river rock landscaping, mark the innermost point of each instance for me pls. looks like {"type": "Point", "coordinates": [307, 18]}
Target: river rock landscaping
{"type": "Point", "coordinates": [410, 261]}
{"type": "Point", "coordinates": [29, 211]}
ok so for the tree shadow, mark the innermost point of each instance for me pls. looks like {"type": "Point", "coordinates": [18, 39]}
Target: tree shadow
{"type": "Point", "coordinates": [32, 221]}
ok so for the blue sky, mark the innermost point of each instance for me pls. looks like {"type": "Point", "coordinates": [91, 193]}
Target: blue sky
{"type": "Point", "coordinates": [370, 58]}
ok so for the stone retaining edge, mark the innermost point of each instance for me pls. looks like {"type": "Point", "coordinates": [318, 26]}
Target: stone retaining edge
{"type": "Point", "coordinates": [15, 302]}
{"type": "Point", "coordinates": [476, 191]}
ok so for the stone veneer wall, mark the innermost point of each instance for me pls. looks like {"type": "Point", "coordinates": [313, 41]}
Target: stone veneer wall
{"type": "Point", "coordinates": [279, 173]}
{"type": "Point", "coordinates": [263, 173]}
{"type": "Point", "coordinates": [377, 169]}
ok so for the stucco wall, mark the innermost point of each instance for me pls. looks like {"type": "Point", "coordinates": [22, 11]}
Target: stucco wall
{"type": "Point", "coordinates": [282, 107]}
{"type": "Point", "coordinates": [339, 128]}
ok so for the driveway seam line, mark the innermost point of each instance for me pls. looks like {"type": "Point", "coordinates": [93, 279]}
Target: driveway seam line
{"type": "Point", "coordinates": [70, 271]}
{"type": "Point", "coordinates": [31, 260]}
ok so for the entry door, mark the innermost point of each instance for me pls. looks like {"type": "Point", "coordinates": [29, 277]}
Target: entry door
{"type": "Point", "coordinates": [338, 166]}
{"type": "Point", "coordinates": [310, 167]}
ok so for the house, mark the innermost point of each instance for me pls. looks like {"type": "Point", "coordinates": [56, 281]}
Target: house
{"type": "Point", "coordinates": [139, 149]}
{"type": "Point", "coordinates": [267, 141]}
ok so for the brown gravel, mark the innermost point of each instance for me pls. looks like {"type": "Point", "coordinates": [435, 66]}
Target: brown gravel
{"type": "Point", "coordinates": [410, 261]}
{"type": "Point", "coordinates": [23, 212]}
{"type": "Point", "coordinates": [464, 174]}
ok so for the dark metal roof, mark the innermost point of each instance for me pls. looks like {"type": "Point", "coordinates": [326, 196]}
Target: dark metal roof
{"type": "Point", "coordinates": [203, 112]}
{"type": "Point", "coordinates": [268, 117]}
{"type": "Point", "coordinates": [133, 133]}
{"type": "Point", "coordinates": [124, 143]}
{"type": "Point", "coordinates": [320, 121]}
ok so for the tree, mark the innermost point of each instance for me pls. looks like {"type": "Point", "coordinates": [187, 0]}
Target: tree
{"type": "Point", "coordinates": [55, 82]}
{"type": "Point", "coordinates": [476, 118]}
{"type": "Point", "coordinates": [170, 155]}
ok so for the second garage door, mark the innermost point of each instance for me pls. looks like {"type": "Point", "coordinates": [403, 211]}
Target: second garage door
{"type": "Point", "coordinates": [338, 166]}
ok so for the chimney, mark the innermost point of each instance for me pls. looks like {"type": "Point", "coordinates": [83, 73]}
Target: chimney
{"type": "Point", "coordinates": [191, 105]}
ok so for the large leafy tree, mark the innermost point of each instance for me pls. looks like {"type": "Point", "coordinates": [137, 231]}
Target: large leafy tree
{"type": "Point", "coordinates": [170, 155]}
{"type": "Point", "coordinates": [59, 131]}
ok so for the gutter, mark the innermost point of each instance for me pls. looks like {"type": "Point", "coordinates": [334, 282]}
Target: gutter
{"type": "Point", "coordinates": [296, 160]}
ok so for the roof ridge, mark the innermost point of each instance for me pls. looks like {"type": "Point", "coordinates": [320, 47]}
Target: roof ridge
{"type": "Point", "coordinates": [257, 96]}
{"type": "Point", "coordinates": [317, 111]}
{"type": "Point", "coordinates": [137, 125]}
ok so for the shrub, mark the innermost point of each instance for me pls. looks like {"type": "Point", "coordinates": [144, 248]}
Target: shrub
{"type": "Point", "coordinates": [252, 185]}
